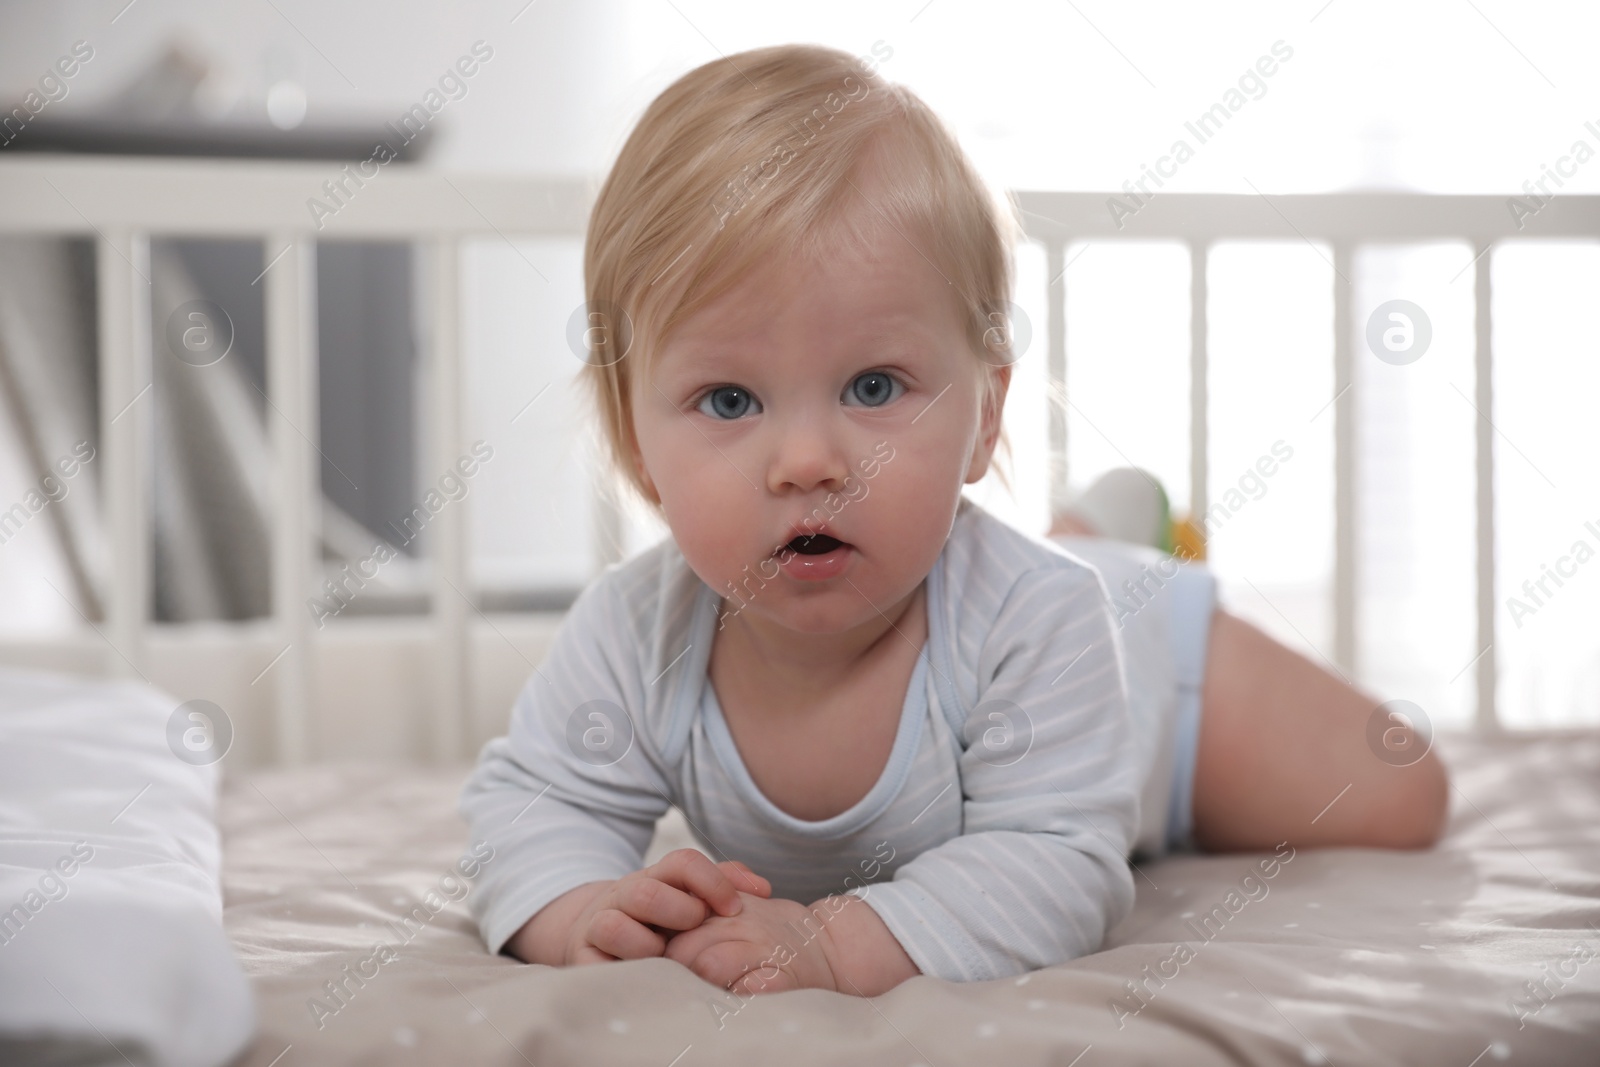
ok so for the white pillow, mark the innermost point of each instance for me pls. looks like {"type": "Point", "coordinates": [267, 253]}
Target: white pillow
{"type": "Point", "coordinates": [110, 881]}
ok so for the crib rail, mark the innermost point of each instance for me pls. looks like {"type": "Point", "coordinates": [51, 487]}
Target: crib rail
{"type": "Point", "coordinates": [1343, 222]}
{"type": "Point", "coordinates": [122, 203]}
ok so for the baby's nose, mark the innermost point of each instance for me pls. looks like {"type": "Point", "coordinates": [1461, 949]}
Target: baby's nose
{"type": "Point", "coordinates": [807, 457]}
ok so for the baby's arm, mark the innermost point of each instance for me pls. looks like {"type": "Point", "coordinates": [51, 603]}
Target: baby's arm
{"type": "Point", "coordinates": [569, 800]}
{"type": "Point", "coordinates": [612, 920]}
{"type": "Point", "coordinates": [865, 957]}
{"type": "Point", "coordinates": [1039, 874]}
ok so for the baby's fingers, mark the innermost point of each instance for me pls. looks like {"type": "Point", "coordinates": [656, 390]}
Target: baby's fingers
{"type": "Point", "coordinates": [691, 870]}
{"type": "Point", "coordinates": [621, 937]}
{"type": "Point", "coordinates": [589, 954]}
{"type": "Point", "coordinates": [745, 879]}
{"type": "Point", "coordinates": [650, 899]}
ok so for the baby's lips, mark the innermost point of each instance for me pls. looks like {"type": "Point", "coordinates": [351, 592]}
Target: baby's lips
{"type": "Point", "coordinates": [809, 528]}
{"type": "Point", "coordinates": [798, 545]}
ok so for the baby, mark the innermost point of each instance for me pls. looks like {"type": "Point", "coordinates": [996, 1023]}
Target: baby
{"type": "Point", "coordinates": [904, 728]}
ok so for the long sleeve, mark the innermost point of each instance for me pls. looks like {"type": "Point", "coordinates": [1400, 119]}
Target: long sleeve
{"type": "Point", "coordinates": [572, 793]}
{"type": "Point", "coordinates": [1050, 796]}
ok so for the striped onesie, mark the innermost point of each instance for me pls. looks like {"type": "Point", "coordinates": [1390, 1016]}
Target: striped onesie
{"type": "Point", "coordinates": [995, 840]}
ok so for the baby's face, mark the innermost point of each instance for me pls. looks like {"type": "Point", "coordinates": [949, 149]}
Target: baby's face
{"type": "Point", "coordinates": [837, 396]}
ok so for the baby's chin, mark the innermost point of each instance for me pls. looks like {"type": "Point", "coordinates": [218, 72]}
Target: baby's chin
{"type": "Point", "coordinates": [822, 615]}
{"type": "Point", "coordinates": [861, 598]}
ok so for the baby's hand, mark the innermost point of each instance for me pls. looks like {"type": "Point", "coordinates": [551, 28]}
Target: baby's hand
{"type": "Point", "coordinates": [762, 949]}
{"type": "Point", "coordinates": [625, 920]}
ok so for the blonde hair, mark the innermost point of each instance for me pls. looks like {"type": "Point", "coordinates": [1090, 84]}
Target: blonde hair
{"type": "Point", "coordinates": [753, 154]}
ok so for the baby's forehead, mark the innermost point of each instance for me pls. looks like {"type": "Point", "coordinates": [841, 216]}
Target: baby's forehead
{"type": "Point", "coordinates": [803, 337]}
{"type": "Point", "coordinates": [883, 284]}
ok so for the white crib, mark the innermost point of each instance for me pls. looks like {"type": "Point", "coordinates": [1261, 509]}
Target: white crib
{"type": "Point", "coordinates": [435, 686]}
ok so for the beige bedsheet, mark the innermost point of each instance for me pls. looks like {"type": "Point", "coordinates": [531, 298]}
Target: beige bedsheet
{"type": "Point", "coordinates": [1348, 956]}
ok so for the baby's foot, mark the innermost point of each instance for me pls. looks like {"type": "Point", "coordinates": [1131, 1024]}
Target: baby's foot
{"type": "Point", "coordinates": [1124, 504]}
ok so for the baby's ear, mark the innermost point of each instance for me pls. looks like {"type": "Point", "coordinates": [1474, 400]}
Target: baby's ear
{"type": "Point", "coordinates": [1001, 377]}
{"type": "Point", "coordinates": [998, 381]}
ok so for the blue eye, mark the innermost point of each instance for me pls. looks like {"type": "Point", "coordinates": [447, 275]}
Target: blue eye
{"type": "Point", "coordinates": [728, 402]}
{"type": "Point", "coordinates": [874, 389]}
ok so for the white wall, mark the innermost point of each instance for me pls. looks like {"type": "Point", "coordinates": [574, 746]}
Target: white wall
{"type": "Point", "coordinates": [1435, 95]}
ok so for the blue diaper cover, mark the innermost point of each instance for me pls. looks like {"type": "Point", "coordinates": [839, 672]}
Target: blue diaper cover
{"type": "Point", "coordinates": [1194, 597]}
{"type": "Point", "coordinates": [1163, 609]}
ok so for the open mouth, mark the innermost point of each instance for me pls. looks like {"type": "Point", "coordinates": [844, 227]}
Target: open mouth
{"type": "Point", "coordinates": [814, 544]}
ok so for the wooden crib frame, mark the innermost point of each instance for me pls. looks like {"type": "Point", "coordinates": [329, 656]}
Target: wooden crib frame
{"type": "Point", "coordinates": [369, 667]}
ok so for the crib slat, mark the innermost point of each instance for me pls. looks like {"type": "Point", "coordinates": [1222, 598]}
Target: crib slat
{"type": "Point", "coordinates": [1056, 369]}
{"type": "Point", "coordinates": [122, 273]}
{"type": "Point", "coordinates": [1345, 472]}
{"type": "Point", "coordinates": [1487, 717]}
{"type": "Point", "coordinates": [1199, 395]}
{"type": "Point", "coordinates": [291, 417]}
{"type": "Point", "coordinates": [448, 532]}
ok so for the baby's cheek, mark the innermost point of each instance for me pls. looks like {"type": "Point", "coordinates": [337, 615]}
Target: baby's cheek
{"type": "Point", "coordinates": [913, 494]}
{"type": "Point", "coordinates": [712, 546]}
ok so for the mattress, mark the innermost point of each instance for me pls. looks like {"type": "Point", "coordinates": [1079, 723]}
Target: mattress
{"type": "Point", "coordinates": [1479, 951]}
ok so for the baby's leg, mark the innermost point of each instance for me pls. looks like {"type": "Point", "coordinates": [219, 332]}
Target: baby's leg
{"type": "Point", "coordinates": [1281, 738]}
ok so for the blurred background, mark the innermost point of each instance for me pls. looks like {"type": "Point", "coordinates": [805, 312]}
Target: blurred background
{"type": "Point", "coordinates": [1455, 96]}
